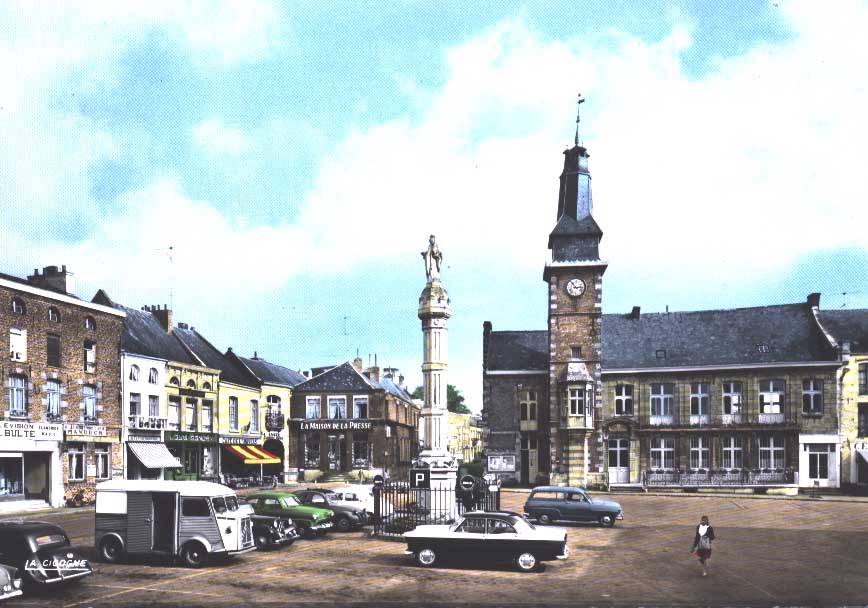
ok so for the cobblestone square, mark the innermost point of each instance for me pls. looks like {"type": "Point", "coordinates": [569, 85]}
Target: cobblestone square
{"type": "Point", "coordinates": [778, 551]}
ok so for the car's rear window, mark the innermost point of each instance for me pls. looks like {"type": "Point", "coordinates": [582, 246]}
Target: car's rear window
{"type": "Point", "coordinates": [547, 495]}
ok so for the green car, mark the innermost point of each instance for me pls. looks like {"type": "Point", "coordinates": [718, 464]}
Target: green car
{"type": "Point", "coordinates": [311, 521]}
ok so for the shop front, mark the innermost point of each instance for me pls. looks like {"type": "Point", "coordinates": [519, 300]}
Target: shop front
{"type": "Point", "coordinates": [244, 456]}
{"type": "Point", "coordinates": [92, 455]}
{"type": "Point", "coordinates": [197, 453]}
{"type": "Point", "coordinates": [338, 446]}
{"type": "Point", "coordinates": [147, 456]}
{"type": "Point", "coordinates": [30, 467]}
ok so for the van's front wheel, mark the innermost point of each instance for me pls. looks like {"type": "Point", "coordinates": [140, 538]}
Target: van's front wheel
{"type": "Point", "coordinates": [194, 555]}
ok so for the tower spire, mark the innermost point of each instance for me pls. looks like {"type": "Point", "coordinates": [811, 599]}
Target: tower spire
{"type": "Point", "coordinates": [579, 103]}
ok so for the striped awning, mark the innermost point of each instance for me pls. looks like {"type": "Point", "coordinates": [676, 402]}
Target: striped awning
{"type": "Point", "coordinates": [154, 455]}
{"type": "Point", "coordinates": [253, 454]}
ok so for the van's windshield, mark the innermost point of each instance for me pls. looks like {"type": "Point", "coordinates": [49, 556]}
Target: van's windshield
{"type": "Point", "coordinates": [222, 504]}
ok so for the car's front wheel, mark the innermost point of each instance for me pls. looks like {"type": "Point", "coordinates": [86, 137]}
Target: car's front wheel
{"type": "Point", "coordinates": [111, 549]}
{"type": "Point", "coordinates": [526, 562]}
{"type": "Point", "coordinates": [545, 519]}
{"type": "Point", "coordinates": [607, 520]}
{"type": "Point", "coordinates": [263, 541]}
{"type": "Point", "coordinates": [343, 524]}
{"type": "Point", "coordinates": [426, 557]}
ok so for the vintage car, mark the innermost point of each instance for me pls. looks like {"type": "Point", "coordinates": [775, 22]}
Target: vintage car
{"type": "Point", "coordinates": [547, 504]}
{"type": "Point", "coordinates": [311, 521]}
{"type": "Point", "coordinates": [270, 532]}
{"type": "Point", "coordinates": [10, 582]}
{"type": "Point", "coordinates": [42, 553]}
{"type": "Point", "coordinates": [192, 520]}
{"type": "Point", "coordinates": [493, 536]}
{"type": "Point", "coordinates": [359, 496]}
{"type": "Point", "coordinates": [348, 515]}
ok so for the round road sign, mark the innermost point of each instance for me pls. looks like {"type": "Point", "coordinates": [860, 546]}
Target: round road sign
{"type": "Point", "coordinates": [378, 480]}
{"type": "Point", "coordinates": [468, 482]}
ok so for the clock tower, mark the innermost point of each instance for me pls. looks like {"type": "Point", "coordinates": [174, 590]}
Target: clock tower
{"type": "Point", "coordinates": [575, 281]}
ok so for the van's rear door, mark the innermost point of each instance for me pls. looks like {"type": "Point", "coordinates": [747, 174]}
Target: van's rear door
{"type": "Point", "coordinates": [140, 522]}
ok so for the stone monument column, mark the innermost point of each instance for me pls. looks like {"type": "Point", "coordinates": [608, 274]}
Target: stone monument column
{"type": "Point", "coordinates": [434, 311]}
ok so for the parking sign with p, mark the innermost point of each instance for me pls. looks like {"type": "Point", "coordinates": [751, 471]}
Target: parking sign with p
{"type": "Point", "coordinates": [420, 479]}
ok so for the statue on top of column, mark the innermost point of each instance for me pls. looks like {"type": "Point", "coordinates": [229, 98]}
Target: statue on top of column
{"type": "Point", "coordinates": [432, 258]}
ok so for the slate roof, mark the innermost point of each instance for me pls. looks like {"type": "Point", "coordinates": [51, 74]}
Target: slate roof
{"type": "Point", "coordinates": [567, 225]}
{"type": "Point", "coordinates": [847, 326]}
{"type": "Point", "coordinates": [343, 378]}
{"type": "Point", "coordinates": [390, 387]}
{"type": "Point", "coordinates": [715, 337]}
{"type": "Point", "coordinates": [272, 373]}
{"type": "Point", "coordinates": [690, 339]}
{"type": "Point", "coordinates": [518, 350]}
{"type": "Point", "coordinates": [143, 335]}
{"type": "Point", "coordinates": [211, 357]}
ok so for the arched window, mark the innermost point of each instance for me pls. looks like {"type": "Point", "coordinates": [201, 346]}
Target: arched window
{"type": "Point", "coordinates": [53, 314]}
{"type": "Point", "coordinates": [174, 381]}
{"type": "Point", "coordinates": [206, 386]}
{"type": "Point", "coordinates": [273, 402]}
{"type": "Point", "coordinates": [191, 383]}
{"type": "Point", "coordinates": [18, 306]}
{"type": "Point", "coordinates": [134, 373]}
{"type": "Point", "coordinates": [153, 376]}
{"type": "Point", "coordinates": [89, 323]}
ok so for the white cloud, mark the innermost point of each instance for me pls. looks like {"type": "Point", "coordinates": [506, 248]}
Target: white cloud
{"type": "Point", "coordinates": [218, 138]}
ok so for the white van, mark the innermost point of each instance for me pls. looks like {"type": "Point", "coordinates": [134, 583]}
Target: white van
{"type": "Point", "coordinates": [189, 519]}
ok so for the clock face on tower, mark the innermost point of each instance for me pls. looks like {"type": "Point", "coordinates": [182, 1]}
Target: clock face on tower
{"type": "Point", "coordinates": [576, 287]}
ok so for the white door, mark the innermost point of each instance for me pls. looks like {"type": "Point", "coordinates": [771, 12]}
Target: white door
{"type": "Point", "coordinates": [619, 461]}
{"type": "Point", "coordinates": [532, 460]}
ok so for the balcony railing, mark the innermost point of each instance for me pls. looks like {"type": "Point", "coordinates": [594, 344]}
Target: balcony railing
{"type": "Point", "coordinates": [146, 422]}
{"type": "Point", "coordinates": [19, 414]}
{"type": "Point", "coordinates": [742, 477]}
{"type": "Point", "coordinates": [717, 420]}
{"type": "Point", "coordinates": [274, 421]}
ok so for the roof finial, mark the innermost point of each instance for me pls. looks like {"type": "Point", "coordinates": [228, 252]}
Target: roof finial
{"type": "Point", "coordinates": [578, 107]}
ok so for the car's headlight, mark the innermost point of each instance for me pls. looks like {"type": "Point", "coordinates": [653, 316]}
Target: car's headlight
{"type": "Point", "coordinates": [17, 583]}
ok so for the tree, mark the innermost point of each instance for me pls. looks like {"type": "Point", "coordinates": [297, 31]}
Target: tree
{"type": "Point", "coordinates": [454, 399]}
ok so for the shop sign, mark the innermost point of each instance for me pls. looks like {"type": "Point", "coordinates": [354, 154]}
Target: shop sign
{"type": "Point", "coordinates": [240, 439]}
{"type": "Point", "coordinates": [84, 430]}
{"type": "Point", "coordinates": [335, 425]}
{"type": "Point", "coordinates": [185, 436]}
{"type": "Point", "coordinates": [273, 435]}
{"type": "Point", "coordinates": [91, 470]}
{"type": "Point", "coordinates": [142, 437]}
{"type": "Point", "coordinates": [190, 392]}
{"type": "Point", "coordinates": [41, 431]}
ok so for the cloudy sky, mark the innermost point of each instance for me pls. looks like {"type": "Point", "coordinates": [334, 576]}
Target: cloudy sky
{"type": "Point", "coordinates": [272, 171]}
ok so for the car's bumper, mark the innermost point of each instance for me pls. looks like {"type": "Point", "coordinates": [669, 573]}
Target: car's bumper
{"type": "Point", "coordinates": [323, 526]}
{"type": "Point", "coordinates": [620, 515]}
{"type": "Point", "coordinates": [408, 552]}
{"type": "Point", "coordinates": [240, 551]}
{"type": "Point", "coordinates": [565, 554]}
{"type": "Point", "coordinates": [63, 578]}
{"type": "Point", "coordinates": [5, 595]}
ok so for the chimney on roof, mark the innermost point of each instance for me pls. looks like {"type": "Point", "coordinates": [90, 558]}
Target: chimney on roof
{"type": "Point", "coordinates": [306, 373]}
{"type": "Point", "coordinates": [51, 278]}
{"type": "Point", "coordinates": [486, 340]}
{"type": "Point", "coordinates": [814, 300]}
{"type": "Point", "coordinates": [163, 315]}
{"type": "Point", "coordinates": [634, 314]}
{"type": "Point", "coordinates": [183, 326]}
{"type": "Point", "coordinates": [373, 373]}
{"type": "Point", "coordinates": [357, 363]}
{"type": "Point", "coordinates": [845, 348]}
{"type": "Point", "coordinates": [255, 356]}
{"type": "Point", "coordinates": [401, 381]}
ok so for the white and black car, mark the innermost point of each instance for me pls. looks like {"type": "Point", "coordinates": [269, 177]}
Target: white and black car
{"type": "Point", "coordinates": [482, 536]}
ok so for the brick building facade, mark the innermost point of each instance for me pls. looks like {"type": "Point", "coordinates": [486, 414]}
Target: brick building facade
{"type": "Point", "coordinates": [61, 378]}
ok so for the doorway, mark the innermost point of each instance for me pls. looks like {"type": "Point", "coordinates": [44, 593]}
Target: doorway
{"type": "Point", "coordinates": [164, 521]}
{"type": "Point", "coordinates": [619, 461]}
{"type": "Point", "coordinates": [336, 453]}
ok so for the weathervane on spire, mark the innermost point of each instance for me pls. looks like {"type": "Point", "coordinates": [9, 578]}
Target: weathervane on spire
{"type": "Point", "coordinates": [578, 107]}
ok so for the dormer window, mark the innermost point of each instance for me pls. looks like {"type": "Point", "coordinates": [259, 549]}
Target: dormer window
{"type": "Point", "coordinates": [89, 324]}
{"type": "Point", "coordinates": [660, 353]}
{"type": "Point", "coordinates": [53, 314]}
{"type": "Point", "coordinates": [18, 307]}
{"type": "Point", "coordinates": [763, 348]}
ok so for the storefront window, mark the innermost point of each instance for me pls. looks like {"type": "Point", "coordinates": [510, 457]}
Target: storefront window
{"type": "Point", "coordinates": [75, 456]}
{"type": "Point", "coordinates": [11, 474]}
{"type": "Point", "coordinates": [360, 452]}
{"type": "Point", "coordinates": [311, 450]}
{"type": "Point", "coordinates": [102, 456]}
